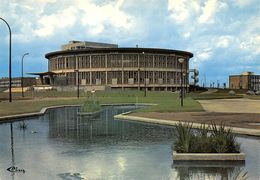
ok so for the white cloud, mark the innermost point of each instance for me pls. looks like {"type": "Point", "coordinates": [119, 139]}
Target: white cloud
{"type": "Point", "coordinates": [209, 10]}
{"type": "Point", "coordinates": [187, 35]}
{"type": "Point", "coordinates": [243, 3]}
{"type": "Point", "coordinates": [96, 17]}
{"type": "Point", "coordinates": [181, 11]}
{"type": "Point", "coordinates": [224, 41]}
{"type": "Point", "coordinates": [49, 23]}
{"type": "Point", "coordinates": [204, 54]}
{"type": "Point", "coordinates": [250, 38]}
{"type": "Point", "coordinates": [52, 17]}
{"type": "Point", "coordinates": [251, 44]}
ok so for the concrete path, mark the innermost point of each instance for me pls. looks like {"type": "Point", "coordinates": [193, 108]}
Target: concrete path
{"type": "Point", "coordinates": [243, 115]}
{"type": "Point", "coordinates": [231, 105]}
{"type": "Point", "coordinates": [210, 91]}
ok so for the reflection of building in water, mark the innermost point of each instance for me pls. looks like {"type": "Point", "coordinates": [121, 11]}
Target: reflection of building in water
{"type": "Point", "coordinates": [223, 171]}
{"type": "Point", "coordinates": [66, 123]}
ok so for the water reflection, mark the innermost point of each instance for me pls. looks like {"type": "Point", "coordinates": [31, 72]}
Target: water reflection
{"type": "Point", "coordinates": [103, 128]}
{"type": "Point", "coordinates": [67, 146]}
{"type": "Point", "coordinates": [13, 169]}
{"type": "Point", "coordinates": [207, 169]}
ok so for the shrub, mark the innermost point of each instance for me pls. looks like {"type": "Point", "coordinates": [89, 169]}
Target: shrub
{"type": "Point", "coordinates": [90, 106]}
{"type": "Point", "coordinates": [184, 136]}
{"type": "Point", "coordinates": [208, 139]}
{"type": "Point", "coordinates": [224, 140]}
{"type": "Point", "coordinates": [232, 93]}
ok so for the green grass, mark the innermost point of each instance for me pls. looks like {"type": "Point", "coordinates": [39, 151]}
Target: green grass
{"type": "Point", "coordinates": [166, 101]}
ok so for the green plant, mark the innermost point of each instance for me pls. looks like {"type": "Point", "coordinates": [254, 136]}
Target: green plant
{"type": "Point", "coordinates": [184, 136]}
{"type": "Point", "coordinates": [23, 125]}
{"type": "Point", "coordinates": [208, 139]}
{"type": "Point", "coordinates": [223, 139]}
{"type": "Point", "coordinates": [90, 106]}
{"type": "Point", "coordinates": [240, 175]}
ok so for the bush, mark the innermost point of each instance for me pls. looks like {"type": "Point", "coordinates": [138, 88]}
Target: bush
{"type": "Point", "coordinates": [208, 139]}
{"type": "Point", "coordinates": [90, 106]}
{"type": "Point", "coordinates": [232, 93]}
{"type": "Point", "coordinates": [184, 138]}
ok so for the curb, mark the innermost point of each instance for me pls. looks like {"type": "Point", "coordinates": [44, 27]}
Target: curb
{"type": "Point", "coordinates": [208, 156]}
{"type": "Point", "coordinates": [10, 118]}
{"type": "Point", "coordinates": [242, 131]}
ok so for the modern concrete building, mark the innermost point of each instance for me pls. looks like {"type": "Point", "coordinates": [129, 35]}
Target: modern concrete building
{"type": "Point", "coordinates": [247, 80]}
{"type": "Point", "coordinates": [101, 65]}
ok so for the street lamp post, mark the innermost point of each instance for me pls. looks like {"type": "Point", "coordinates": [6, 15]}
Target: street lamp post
{"type": "Point", "coordinates": [185, 84]}
{"type": "Point", "coordinates": [22, 74]}
{"type": "Point", "coordinates": [10, 61]}
{"type": "Point", "coordinates": [181, 60]}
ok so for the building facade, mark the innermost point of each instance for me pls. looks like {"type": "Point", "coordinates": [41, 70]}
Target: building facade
{"type": "Point", "coordinates": [107, 65]}
{"type": "Point", "coordinates": [247, 80]}
{"type": "Point", "coordinates": [17, 82]}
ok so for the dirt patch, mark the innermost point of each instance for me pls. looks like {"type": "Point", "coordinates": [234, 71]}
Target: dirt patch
{"type": "Point", "coordinates": [242, 120]}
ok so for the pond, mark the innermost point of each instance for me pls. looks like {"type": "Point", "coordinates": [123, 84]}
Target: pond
{"type": "Point", "coordinates": [62, 145]}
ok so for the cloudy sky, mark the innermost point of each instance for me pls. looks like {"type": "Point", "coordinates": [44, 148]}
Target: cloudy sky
{"type": "Point", "coordinates": [223, 35]}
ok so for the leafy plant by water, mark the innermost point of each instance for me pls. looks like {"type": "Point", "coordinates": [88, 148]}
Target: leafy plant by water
{"type": "Point", "coordinates": [22, 125]}
{"type": "Point", "coordinates": [240, 175]}
{"type": "Point", "coordinates": [90, 106]}
{"type": "Point", "coordinates": [208, 139]}
{"type": "Point", "coordinates": [184, 138]}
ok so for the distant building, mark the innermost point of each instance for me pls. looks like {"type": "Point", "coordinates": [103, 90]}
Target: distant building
{"type": "Point", "coordinates": [102, 65]}
{"type": "Point", "coordinates": [247, 80]}
{"type": "Point", "coordinates": [73, 45]}
{"type": "Point", "coordinates": [16, 82]}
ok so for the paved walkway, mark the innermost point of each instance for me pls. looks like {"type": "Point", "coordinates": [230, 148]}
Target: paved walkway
{"type": "Point", "coordinates": [231, 105]}
{"type": "Point", "coordinates": [237, 113]}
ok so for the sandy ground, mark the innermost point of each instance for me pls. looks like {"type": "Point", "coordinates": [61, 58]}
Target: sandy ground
{"type": "Point", "coordinates": [244, 113]}
{"type": "Point", "coordinates": [231, 105]}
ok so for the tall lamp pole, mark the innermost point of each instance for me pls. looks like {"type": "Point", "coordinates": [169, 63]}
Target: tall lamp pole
{"type": "Point", "coordinates": [10, 60]}
{"type": "Point", "coordinates": [181, 60]}
{"type": "Point", "coordinates": [22, 74]}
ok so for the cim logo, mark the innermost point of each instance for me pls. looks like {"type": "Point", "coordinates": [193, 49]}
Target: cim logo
{"type": "Point", "coordinates": [15, 169]}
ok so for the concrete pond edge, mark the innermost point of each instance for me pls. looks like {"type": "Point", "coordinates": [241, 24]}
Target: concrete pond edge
{"type": "Point", "coordinates": [208, 156]}
{"type": "Point", "coordinates": [11, 118]}
{"type": "Point", "coordinates": [236, 130]}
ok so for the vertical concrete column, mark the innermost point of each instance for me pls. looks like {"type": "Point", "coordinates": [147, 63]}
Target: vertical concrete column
{"type": "Point", "coordinates": [153, 75]}
{"type": "Point", "coordinates": [106, 67]}
{"type": "Point", "coordinates": [122, 63]}
{"type": "Point", "coordinates": [77, 68]}
{"type": "Point", "coordinates": [77, 63]}
{"type": "Point", "coordinates": [166, 61]}
{"type": "Point", "coordinates": [187, 74]}
{"type": "Point", "coordinates": [65, 63]}
{"type": "Point", "coordinates": [166, 73]}
{"type": "Point", "coordinates": [138, 69]}
{"type": "Point", "coordinates": [90, 73]}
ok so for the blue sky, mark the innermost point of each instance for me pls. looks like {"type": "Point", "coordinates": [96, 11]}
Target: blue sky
{"type": "Point", "coordinates": [223, 35]}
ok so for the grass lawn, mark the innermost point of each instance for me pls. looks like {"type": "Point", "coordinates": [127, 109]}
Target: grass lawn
{"type": "Point", "coordinates": [166, 101]}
